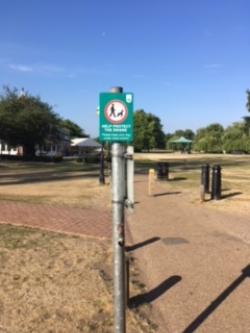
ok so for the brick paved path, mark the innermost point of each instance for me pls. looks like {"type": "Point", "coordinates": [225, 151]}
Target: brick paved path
{"type": "Point", "coordinates": [89, 221]}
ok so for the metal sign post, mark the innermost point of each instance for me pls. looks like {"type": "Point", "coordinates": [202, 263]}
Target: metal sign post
{"type": "Point", "coordinates": [116, 126]}
{"type": "Point", "coordinates": [118, 198]}
{"type": "Point", "coordinates": [101, 172]}
{"type": "Point", "coordinates": [130, 178]}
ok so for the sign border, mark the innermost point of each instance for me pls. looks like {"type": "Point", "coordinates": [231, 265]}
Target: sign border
{"type": "Point", "coordinates": [116, 132]}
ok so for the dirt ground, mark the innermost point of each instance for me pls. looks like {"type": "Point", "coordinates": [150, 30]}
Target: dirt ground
{"type": "Point", "coordinates": [52, 283]}
{"type": "Point", "coordinates": [77, 185]}
{"type": "Point", "coordinates": [185, 174]}
{"type": "Point", "coordinates": [69, 183]}
{"type": "Point", "coordinates": [188, 157]}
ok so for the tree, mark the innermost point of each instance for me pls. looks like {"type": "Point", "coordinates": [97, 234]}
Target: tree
{"type": "Point", "coordinates": [248, 100]}
{"type": "Point", "coordinates": [209, 139]}
{"type": "Point", "coordinates": [247, 118]}
{"type": "Point", "coordinates": [236, 139]}
{"type": "Point", "coordinates": [168, 137]}
{"type": "Point", "coordinates": [189, 134]}
{"type": "Point", "coordinates": [27, 121]}
{"type": "Point", "coordinates": [148, 133]}
{"type": "Point", "coordinates": [73, 129]}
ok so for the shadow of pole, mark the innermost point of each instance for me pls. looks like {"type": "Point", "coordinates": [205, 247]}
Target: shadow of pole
{"type": "Point", "coordinates": [213, 306]}
{"type": "Point", "coordinates": [150, 296]}
{"type": "Point", "coordinates": [144, 243]}
{"type": "Point", "coordinates": [229, 195]}
{"type": "Point", "coordinates": [165, 193]}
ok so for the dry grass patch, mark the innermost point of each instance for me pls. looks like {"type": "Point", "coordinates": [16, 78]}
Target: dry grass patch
{"type": "Point", "coordinates": [185, 174]}
{"type": "Point", "coordinates": [189, 157]}
{"type": "Point", "coordinates": [51, 283]}
{"type": "Point", "coordinates": [80, 193]}
{"type": "Point", "coordinates": [66, 183]}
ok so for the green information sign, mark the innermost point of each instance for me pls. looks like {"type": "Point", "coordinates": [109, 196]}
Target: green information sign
{"type": "Point", "coordinates": [116, 117]}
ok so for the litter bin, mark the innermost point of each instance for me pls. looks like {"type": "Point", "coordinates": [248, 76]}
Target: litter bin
{"type": "Point", "coordinates": [162, 170]}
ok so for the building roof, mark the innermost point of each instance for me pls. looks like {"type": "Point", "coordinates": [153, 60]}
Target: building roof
{"type": "Point", "coordinates": [85, 142]}
{"type": "Point", "coordinates": [182, 140]}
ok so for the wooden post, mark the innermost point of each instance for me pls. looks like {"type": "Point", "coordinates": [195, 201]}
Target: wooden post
{"type": "Point", "coordinates": [151, 179]}
{"type": "Point", "coordinates": [202, 193]}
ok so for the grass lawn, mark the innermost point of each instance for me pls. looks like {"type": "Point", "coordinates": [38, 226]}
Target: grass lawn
{"type": "Point", "coordinates": [67, 183]}
{"type": "Point", "coordinates": [51, 283]}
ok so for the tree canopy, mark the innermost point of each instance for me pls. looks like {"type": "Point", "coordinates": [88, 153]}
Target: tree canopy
{"type": "Point", "coordinates": [75, 131]}
{"type": "Point", "coordinates": [248, 100]}
{"type": "Point", "coordinates": [148, 133]}
{"type": "Point", "coordinates": [27, 121]}
{"type": "Point", "coordinates": [209, 139]}
{"type": "Point", "coordinates": [235, 139]}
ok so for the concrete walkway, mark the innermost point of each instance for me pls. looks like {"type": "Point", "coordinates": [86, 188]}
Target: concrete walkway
{"type": "Point", "coordinates": [195, 261]}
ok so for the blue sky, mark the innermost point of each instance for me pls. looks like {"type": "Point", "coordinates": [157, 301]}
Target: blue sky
{"type": "Point", "coordinates": [188, 62]}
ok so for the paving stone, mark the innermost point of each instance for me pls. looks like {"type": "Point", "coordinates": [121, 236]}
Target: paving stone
{"type": "Point", "coordinates": [83, 221]}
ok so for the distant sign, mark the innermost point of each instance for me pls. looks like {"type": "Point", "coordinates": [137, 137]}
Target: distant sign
{"type": "Point", "coordinates": [116, 117]}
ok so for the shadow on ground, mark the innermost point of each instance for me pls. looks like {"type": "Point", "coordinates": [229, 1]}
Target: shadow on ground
{"type": "Point", "coordinates": [141, 244]}
{"type": "Point", "coordinates": [229, 195]}
{"type": "Point", "coordinates": [177, 179]}
{"type": "Point", "coordinates": [225, 189]}
{"type": "Point", "coordinates": [217, 302]}
{"type": "Point", "coordinates": [165, 193]}
{"type": "Point", "coordinates": [155, 293]}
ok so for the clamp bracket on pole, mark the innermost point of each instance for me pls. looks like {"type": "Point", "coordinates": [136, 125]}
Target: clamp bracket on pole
{"type": "Point", "coordinates": [117, 155]}
{"type": "Point", "coordinates": [128, 156]}
{"type": "Point", "coordinates": [129, 203]}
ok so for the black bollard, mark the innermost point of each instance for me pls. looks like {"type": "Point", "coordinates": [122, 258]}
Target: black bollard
{"type": "Point", "coordinates": [166, 170]}
{"type": "Point", "coordinates": [162, 171]}
{"type": "Point", "coordinates": [159, 170]}
{"type": "Point", "coordinates": [205, 179]}
{"type": "Point", "coordinates": [216, 183]}
{"type": "Point", "coordinates": [101, 173]}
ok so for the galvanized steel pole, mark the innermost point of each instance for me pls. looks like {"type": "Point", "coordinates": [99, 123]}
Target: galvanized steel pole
{"type": "Point", "coordinates": [101, 172]}
{"type": "Point", "coordinates": [130, 178]}
{"type": "Point", "coordinates": [118, 201]}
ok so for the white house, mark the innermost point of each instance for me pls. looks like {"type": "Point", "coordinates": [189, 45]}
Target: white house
{"type": "Point", "coordinates": [5, 149]}
{"type": "Point", "coordinates": [77, 146]}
